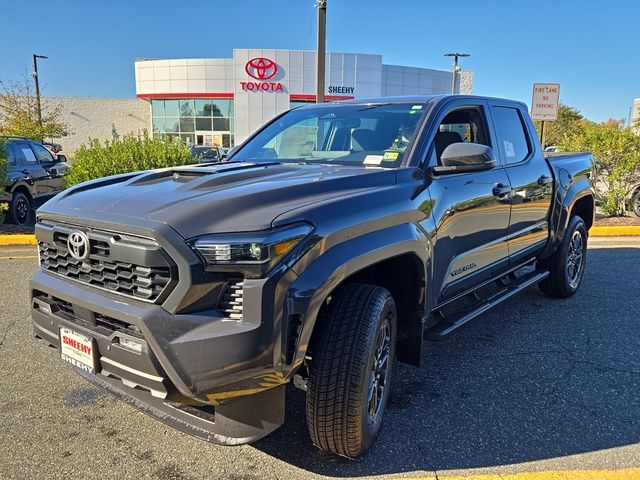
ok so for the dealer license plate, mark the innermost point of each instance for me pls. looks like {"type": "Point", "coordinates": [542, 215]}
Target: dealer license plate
{"type": "Point", "coordinates": [77, 349]}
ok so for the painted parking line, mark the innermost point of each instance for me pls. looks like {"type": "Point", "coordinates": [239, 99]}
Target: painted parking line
{"type": "Point", "coordinates": [622, 474]}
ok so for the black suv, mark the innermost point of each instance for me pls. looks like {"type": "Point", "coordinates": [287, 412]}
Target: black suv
{"type": "Point", "coordinates": [35, 175]}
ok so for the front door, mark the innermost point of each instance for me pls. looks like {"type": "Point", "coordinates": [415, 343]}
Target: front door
{"type": "Point", "coordinates": [530, 178]}
{"type": "Point", "coordinates": [470, 210]}
{"type": "Point", "coordinates": [33, 172]}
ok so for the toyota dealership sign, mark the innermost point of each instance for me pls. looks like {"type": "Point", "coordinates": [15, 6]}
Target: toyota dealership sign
{"type": "Point", "coordinates": [261, 69]}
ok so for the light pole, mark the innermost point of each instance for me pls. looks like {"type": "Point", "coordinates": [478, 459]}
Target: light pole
{"type": "Point", "coordinates": [320, 57]}
{"type": "Point", "coordinates": [455, 67]}
{"type": "Point", "coordinates": [35, 76]}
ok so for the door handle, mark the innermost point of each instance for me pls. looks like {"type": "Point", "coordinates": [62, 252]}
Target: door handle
{"type": "Point", "coordinates": [500, 190]}
{"type": "Point", "coordinates": [544, 180]}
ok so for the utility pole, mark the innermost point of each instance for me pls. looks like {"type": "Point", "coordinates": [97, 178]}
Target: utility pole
{"type": "Point", "coordinates": [35, 76]}
{"type": "Point", "coordinates": [455, 67]}
{"type": "Point", "coordinates": [321, 54]}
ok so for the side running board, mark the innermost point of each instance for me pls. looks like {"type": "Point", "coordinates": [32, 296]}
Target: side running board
{"type": "Point", "coordinates": [509, 286]}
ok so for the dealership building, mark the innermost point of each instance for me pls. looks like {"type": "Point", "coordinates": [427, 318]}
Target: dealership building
{"type": "Point", "coordinates": [221, 101]}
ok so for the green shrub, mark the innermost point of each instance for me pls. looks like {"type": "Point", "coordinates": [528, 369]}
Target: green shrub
{"type": "Point", "coordinates": [4, 181]}
{"type": "Point", "coordinates": [130, 153]}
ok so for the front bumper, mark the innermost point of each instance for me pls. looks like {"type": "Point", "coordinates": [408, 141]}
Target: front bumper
{"type": "Point", "coordinates": [216, 379]}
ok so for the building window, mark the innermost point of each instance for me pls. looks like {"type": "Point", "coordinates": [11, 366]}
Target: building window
{"type": "Point", "coordinates": [195, 121]}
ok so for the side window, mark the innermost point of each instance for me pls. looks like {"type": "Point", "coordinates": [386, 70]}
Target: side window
{"type": "Point", "coordinates": [512, 138]}
{"type": "Point", "coordinates": [42, 154]}
{"type": "Point", "coordinates": [24, 154]}
{"type": "Point", "coordinates": [466, 125]}
{"type": "Point", "coordinates": [6, 150]}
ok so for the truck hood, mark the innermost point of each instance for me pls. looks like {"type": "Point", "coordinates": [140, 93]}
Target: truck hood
{"type": "Point", "coordinates": [231, 197]}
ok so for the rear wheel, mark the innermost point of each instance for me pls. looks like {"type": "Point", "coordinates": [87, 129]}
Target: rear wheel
{"type": "Point", "coordinates": [351, 368]}
{"type": "Point", "coordinates": [566, 266]}
{"type": "Point", "coordinates": [20, 209]}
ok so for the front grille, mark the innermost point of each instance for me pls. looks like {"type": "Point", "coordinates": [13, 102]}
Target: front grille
{"type": "Point", "coordinates": [118, 263]}
{"type": "Point", "coordinates": [230, 304]}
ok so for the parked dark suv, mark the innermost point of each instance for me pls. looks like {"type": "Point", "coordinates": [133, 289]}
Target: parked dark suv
{"type": "Point", "coordinates": [35, 175]}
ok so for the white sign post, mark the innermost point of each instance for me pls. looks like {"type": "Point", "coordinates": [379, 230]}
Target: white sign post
{"type": "Point", "coordinates": [545, 103]}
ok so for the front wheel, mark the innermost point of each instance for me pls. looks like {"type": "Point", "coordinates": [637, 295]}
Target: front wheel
{"type": "Point", "coordinates": [351, 368]}
{"type": "Point", "coordinates": [566, 266]}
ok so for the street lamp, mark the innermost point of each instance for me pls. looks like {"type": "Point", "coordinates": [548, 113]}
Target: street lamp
{"type": "Point", "coordinates": [456, 69]}
{"type": "Point", "coordinates": [35, 76]}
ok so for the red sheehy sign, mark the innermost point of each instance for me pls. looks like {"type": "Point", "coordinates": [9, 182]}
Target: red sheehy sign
{"type": "Point", "coordinates": [261, 69]}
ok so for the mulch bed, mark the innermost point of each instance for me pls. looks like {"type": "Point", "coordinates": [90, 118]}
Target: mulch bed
{"type": "Point", "coordinates": [604, 221]}
{"type": "Point", "coordinates": [10, 229]}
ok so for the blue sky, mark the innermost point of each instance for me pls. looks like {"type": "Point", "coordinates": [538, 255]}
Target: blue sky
{"type": "Point", "coordinates": [589, 47]}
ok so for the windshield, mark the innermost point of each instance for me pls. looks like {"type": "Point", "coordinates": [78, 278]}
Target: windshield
{"type": "Point", "coordinates": [355, 135]}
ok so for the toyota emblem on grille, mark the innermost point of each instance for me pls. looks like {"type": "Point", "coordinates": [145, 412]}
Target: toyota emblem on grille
{"type": "Point", "coordinates": [78, 245]}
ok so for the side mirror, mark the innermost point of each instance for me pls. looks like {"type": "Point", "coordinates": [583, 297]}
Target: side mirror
{"type": "Point", "coordinates": [465, 157]}
{"type": "Point", "coordinates": [61, 158]}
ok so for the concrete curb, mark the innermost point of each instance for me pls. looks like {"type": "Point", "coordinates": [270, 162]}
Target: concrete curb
{"type": "Point", "coordinates": [614, 231]}
{"type": "Point", "coordinates": [17, 239]}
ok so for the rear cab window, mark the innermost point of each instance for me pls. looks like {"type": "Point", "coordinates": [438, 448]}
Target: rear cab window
{"type": "Point", "coordinates": [513, 141]}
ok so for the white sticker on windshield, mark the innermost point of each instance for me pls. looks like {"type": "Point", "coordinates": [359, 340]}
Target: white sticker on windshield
{"type": "Point", "coordinates": [373, 159]}
{"type": "Point", "coordinates": [508, 149]}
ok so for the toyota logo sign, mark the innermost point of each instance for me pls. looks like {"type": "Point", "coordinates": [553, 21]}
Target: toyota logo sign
{"type": "Point", "coordinates": [78, 245]}
{"type": "Point", "coordinates": [261, 68]}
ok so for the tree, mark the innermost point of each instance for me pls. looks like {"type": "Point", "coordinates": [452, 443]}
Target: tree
{"type": "Point", "coordinates": [19, 113]}
{"type": "Point", "coordinates": [569, 119]}
{"type": "Point", "coordinates": [617, 153]}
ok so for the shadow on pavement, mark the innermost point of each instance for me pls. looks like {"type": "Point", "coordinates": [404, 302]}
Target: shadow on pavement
{"type": "Point", "coordinates": [534, 379]}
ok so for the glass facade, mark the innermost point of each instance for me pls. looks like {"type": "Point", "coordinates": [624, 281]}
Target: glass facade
{"type": "Point", "coordinates": [196, 121]}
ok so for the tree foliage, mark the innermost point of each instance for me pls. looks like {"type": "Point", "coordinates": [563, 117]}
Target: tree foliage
{"type": "Point", "coordinates": [19, 113]}
{"type": "Point", "coordinates": [569, 120]}
{"type": "Point", "coordinates": [125, 154]}
{"type": "Point", "coordinates": [617, 153]}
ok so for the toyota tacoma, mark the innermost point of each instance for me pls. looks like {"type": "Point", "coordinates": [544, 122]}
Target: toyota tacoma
{"type": "Point", "coordinates": [328, 246]}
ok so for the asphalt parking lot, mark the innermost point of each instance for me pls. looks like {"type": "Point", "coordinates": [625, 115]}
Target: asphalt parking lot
{"type": "Point", "coordinates": [534, 385]}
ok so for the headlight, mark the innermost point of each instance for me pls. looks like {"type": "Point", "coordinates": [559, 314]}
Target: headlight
{"type": "Point", "coordinates": [254, 253]}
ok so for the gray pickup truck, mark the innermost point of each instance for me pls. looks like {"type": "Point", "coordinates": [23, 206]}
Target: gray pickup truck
{"type": "Point", "coordinates": [330, 244]}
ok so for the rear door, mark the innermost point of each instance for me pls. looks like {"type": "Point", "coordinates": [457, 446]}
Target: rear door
{"type": "Point", "coordinates": [470, 210]}
{"type": "Point", "coordinates": [530, 177]}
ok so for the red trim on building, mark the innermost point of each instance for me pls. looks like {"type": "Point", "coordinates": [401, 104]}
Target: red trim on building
{"type": "Point", "coordinates": [187, 95]}
{"type": "Point", "coordinates": [293, 96]}
{"type": "Point", "coordinates": [303, 96]}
